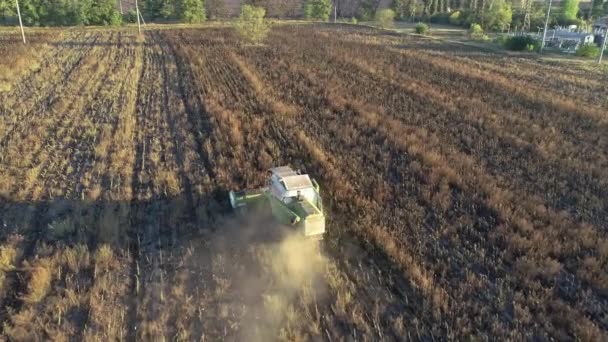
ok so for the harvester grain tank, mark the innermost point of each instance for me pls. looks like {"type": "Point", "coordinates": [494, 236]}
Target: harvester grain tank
{"type": "Point", "coordinates": [293, 198]}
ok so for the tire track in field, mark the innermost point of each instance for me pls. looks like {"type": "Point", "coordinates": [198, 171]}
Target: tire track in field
{"type": "Point", "coordinates": [154, 204]}
{"type": "Point", "coordinates": [141, 191]}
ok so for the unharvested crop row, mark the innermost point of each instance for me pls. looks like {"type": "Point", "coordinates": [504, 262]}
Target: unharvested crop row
{"type": "Point", "coordinates": [484, 133]}
{"type": "Point", "coordinates": [333, 96]}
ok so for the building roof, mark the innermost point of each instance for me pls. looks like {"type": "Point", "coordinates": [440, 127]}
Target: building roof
{"type": "Point", "coordinates": [562, 34]}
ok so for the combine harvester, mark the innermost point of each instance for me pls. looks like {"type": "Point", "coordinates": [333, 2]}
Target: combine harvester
{"type": "Point", "coordinates": [293, 198]}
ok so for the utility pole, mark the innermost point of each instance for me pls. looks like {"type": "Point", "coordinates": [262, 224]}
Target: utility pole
{"type": "Point", "coordinates": [542, 44]}
{"type": "Point", "coordinates": [599, 60]}
{"type": "Point", "coordinates": [20, 22]}
{"type": "Point", "coordinates": [335, 11]}
{"type": "Point", "coordinates": [137, 10]}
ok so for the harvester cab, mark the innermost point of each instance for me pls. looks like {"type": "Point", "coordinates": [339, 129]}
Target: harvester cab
{"type": "Point", "coordinates": [293, 198]}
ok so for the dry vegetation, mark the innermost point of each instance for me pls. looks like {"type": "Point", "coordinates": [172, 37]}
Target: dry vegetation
{"type": "Point", "coordinates": [466, 191]}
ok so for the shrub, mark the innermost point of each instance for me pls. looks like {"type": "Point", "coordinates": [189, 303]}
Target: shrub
{"type": "Point", "coordinates": [421, 28]}
{"type": "Point", "coordinates": [520, 43]}
{"type": "Point", "coordinates": [192, 11]}
{"type": "Point", "coordinates": [588, 50]}
{"type": "Point", "coordinates": [501, 40]}
{"type": "Point", "coordinates": [569, 10]}
{"type": "Point", "coordinates": [455, 18]}
{"type": "Point", "coordinates": [440, 18]}
{"type": "Point", "coordinates": [385, 18]}
{"type": "Point", "coordinates": [252, 24]}
{"type": "Point", "coordinates": [476, 32]}
{"type": "Point", "coordinates": [498, 16]}
{"type": "Point", "coordinates": [354, 20]}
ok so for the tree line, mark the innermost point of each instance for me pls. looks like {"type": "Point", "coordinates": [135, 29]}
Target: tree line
{"type": "Point", "coordinates": [62, 12]}
{"type": "Point", "coordinates": [499, 14]}
{"type": "Point", "coordinates": [491, 14]}
{"type": "Point", "coordinates": [98, 12]}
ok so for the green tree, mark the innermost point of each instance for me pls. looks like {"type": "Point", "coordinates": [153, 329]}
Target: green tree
{"type": "Point", "coordinates": [498, 15]}
{"type": "Point", "coordinates": [155, 9]}
{"type": "Point", "coordinates": [597, 8]}
{"type": "Point", "coordinates": [69, 12]}
{"type": "Point", "coordinates": [455, 18]}
{"type": "Point", "coordinates": [252, 24]}
{"type": "Point", "coordinates": [30, 12]}
{"type": "Point", "coordinates": [385, 18]}
{"type": "Point", "coordinates": [317, 9]}
{"type": "Point", "coordinates": [7, 9]}
{"type": "Point", "coordinates": [367, 9]}
{"type": "Point", "coordinates": [569, 10]}
{"type": "Point", "coordinates": [401, 8]}
{"type": "Point", "coordinates": [192, 11]}
{"type": "Point", "coordinates": [78, 12]}
{"type": "Point", "coordinates": [104, 12]}
{"type": "Point", "coordinates": [476, 32]}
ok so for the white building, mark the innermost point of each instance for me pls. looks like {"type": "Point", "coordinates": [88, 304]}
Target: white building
{"type": "Point", "coordinates": [568, 41]}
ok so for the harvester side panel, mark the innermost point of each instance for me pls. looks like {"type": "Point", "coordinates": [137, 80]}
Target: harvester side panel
{"type": "Point", "coordinates": [282, 213]}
